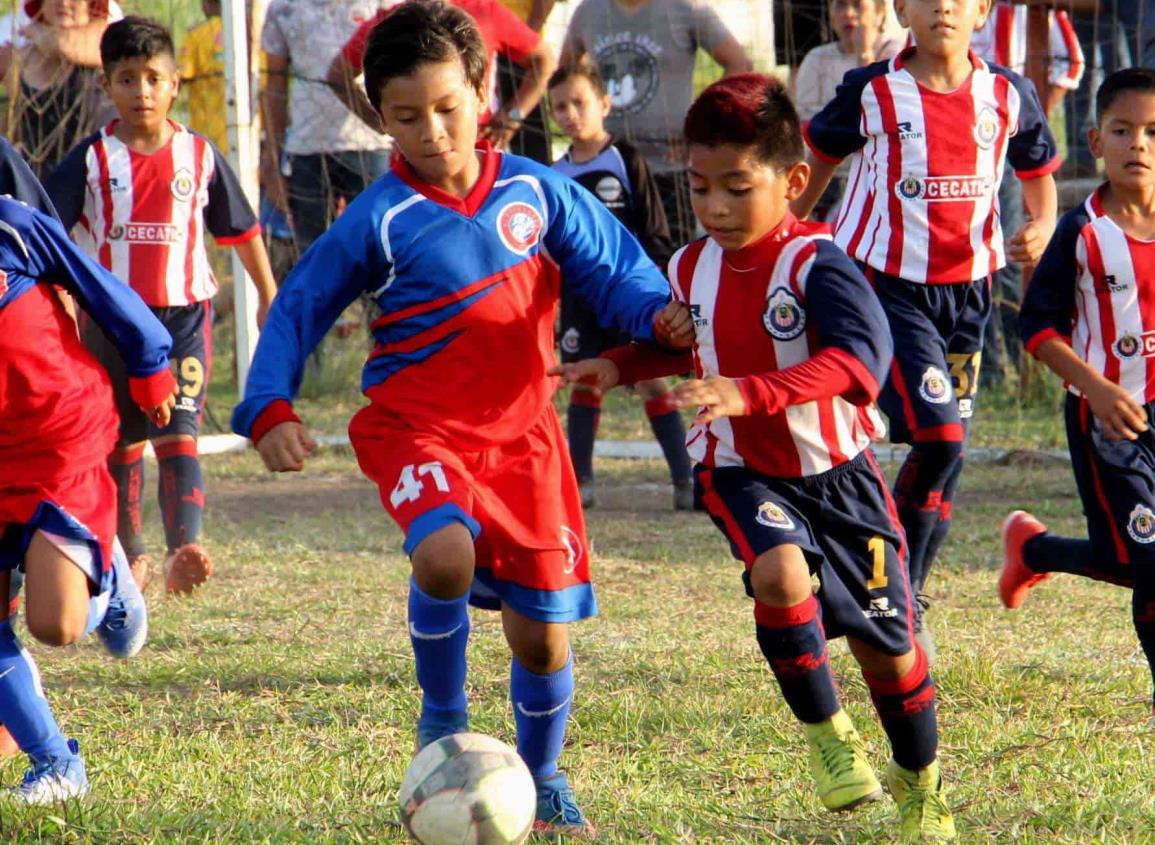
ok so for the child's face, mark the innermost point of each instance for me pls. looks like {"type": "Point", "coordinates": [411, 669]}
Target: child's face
{"type": "Point", "coordinates": [738, 198]}
{"type": "Point", "coordinates": [850, 16]}
{"type": "Point", "coordinates": [942, 27]}
{"type": "Point", "coordinates": [143, 90]}
{"type": "Point", "coordinates": [1125, 140]}
{"type": "Point", "coordinates": [432, 116]}
{"type": "Point", "coordinates": [578, 109]}
{"type": "Point", "coordinates": [66, 13]}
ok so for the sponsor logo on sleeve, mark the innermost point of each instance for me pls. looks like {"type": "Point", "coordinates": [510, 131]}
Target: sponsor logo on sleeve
{"type": "Point", "coordinates": [784, 318]}
{"type": "Point", "coordinates": [519, 226]}
{"type": "Point", "coordinates": [1141, 524]}
{"type": "Point", "coordinates": [772, 516]}
{"type": "Point", "coordinates": [935, 386]}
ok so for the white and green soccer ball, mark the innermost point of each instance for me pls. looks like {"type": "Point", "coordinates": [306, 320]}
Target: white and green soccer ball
{"type": "Point", "coordinates": [468, 789]}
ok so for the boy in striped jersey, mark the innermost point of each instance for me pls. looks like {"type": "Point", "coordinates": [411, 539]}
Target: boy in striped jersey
{"type": "Point", "coordinates": [1089, 315]}
{"type": "Point", "coordinates": [930, 132]}
{"type": "Point", "coordinates": [139, 195]}
{"type": "Point", "coordinates": [790, 349]}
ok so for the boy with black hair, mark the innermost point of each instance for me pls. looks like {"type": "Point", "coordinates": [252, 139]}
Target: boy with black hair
{"type": "Point", "coordinates": [1089, 315]}
{"type": "Point", "coordinates": [921, 219]}
{"type": "Point", "coordinates": [619, 177]}
{"type": "Point", "coordinates": [139, 196]}
{"type": "Point", "coordinates": [463, 250]}
{"type": "Point", "coordinates": [790, 350]}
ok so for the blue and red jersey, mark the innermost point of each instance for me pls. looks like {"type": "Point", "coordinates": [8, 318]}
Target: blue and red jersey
{"type": "Point", "coordinates": [56, 413]}
{"type": "Point", "coordinates": [468, 292]}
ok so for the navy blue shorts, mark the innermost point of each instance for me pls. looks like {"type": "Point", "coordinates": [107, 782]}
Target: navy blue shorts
{"type": "Point", "coordinates": [938, 343]}
{"type": "Point", "coordinates": [845, 522]}
{"type": "Point", "coordinates": [582, 336]}
{"type": "Point", "coordinates": [1116, 482]}
{"type": "Point", "coordinates": [191, 329]}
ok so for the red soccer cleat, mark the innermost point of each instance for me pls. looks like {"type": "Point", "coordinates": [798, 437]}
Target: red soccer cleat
{"type": "Point", "coordinates": [186, 568]}
{"type": "Point", "coordinates": [1017, 579]}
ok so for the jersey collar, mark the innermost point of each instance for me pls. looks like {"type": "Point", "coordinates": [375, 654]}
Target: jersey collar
{"type": "Point", "coordinates": [764, 251]}
{"type": "Point", "coordinates": [904, 55]}
{"type": "Point", "coordinates": [467, 205]}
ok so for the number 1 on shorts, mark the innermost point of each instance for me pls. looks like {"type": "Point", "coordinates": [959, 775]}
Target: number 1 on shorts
{"type": "Point", "coordinates": [877, 548]}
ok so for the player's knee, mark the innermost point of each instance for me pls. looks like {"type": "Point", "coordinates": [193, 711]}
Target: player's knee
{"type": "Point", "coordinates": [56, 630]}
{"type": "Point", "coordinates": [878, 664]}
{"type": "Point", "coordinates": [443, 562]}
{"type": "Point", "coordinates": [541, 647]}
{"type": "Point", "coordinates": [780, 577]}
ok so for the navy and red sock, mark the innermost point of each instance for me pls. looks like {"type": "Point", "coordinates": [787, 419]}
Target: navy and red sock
{"type": "Point", "coordinates": [126, 465]}
{"type": "Point", "coordinates": [906, 707]}
{"type": "Point", "coordinates": [794, 644]}
{"type": "Point", "coordinates": [180, 490]}
{"type": "Point", "coordinates": [582, 419]}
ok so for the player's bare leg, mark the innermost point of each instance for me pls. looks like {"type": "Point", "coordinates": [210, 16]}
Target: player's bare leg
{"type": "Point", "coordinates": [180, 491]}
{"type": "Point", "coordinates": [904, 696]}
{"type": "Point", "coordinates": [56, 594]}
{"type": "Point", "coordinates": [443, 565]}
{"type": "Point", "coordinates": [670, 432]}
{"type": "Point", "coordinates": [541, 689]}
{"type": "Point", "coordinates": [791, 637]}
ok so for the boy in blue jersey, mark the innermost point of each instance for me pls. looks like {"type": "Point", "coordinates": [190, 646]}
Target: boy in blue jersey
{"type": "Point", "coordinates": [57, 499]}
{"type": "Point", "coordinates": [463, 250]}
{"type": "Point", "coordinates": [619, 177]}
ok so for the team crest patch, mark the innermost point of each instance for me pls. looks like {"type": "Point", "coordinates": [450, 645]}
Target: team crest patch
{"type": "Point", "coordinates": [519, 225]}
{"type": "Point", "coordinates": [1141, 524]}
{"type": "Point", "coordinates": [116, 232]}
{"type": "Point", "coordinates": [986, 128]}
{"type": "Point", "coordinates": [182, 184]}
{"type": "Point", "coordinates": [574, 549]}
{"type": "Point", "coordinates": [935, 386]}
{"type": "Point", "coordinates": [784, 318]}
{"type": "Point", "coordinates": [909, 188]}
{"type": "Point", "coordinates": [571, 341]}
{"type": "Point", "coordinates": [772, 516]}
{"type": "Point", "coordinates": [609, 190]}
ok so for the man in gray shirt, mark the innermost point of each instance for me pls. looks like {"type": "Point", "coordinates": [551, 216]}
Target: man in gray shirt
{"type": "Point", "coordinates": [645, 51]}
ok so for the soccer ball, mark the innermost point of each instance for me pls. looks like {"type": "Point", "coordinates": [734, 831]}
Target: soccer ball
{"type": "Point", "coordinates": [468, 789]}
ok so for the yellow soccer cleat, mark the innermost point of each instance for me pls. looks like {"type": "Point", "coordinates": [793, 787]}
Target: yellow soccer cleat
{"type": "Point", "coordinates": [838, 762]}
{"type": "Point", "coordinates": [921, 803]}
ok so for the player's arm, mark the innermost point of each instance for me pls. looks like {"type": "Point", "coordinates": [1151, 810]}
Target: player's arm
{"type": "Point", "coordinates": [716, 39]}
{"type": "Point", "coordinates": [66, 185]}
{"type": "Point", "coordinates": [18, 181]}
{"type": "Point", "coordinates": [139, 336]}
{"type": "Point", "coordinates": [832, 135]}
{"type": "Point", "coordinates": [1034, 155]}
{"type": "Point", "coordinates": [524, 47]}
{"type": "Point", "coordinates": [255, 259]}
{"type": "Point", "coordinates": [327, 279]}
{"type": "Point", "coordinates": [1041, 198]}
{"type": "Point", "coordinates": [343, 73]}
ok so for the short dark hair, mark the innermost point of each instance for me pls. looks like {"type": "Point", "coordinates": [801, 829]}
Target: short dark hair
{"type": "Point", "coordinates": [1120, 82]}
{"type": "Point", "coordinates": [578, 70]}
{"type": "Point", "coordinates": [421, 32]}
{"type": "Point", "coordinates": [134, 37]}
{"type": "Point", "coordinates": [748, 109]}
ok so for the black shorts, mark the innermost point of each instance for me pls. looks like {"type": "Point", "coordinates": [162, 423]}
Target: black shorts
{"type": "Point", "coordinates": [191, 330]}
{"type": "Point", "coordinates": [938, 342]}
{"type": "Point", "coordinates": [845, 522]}
{"type": "Point", "coordinates": [582, 336]}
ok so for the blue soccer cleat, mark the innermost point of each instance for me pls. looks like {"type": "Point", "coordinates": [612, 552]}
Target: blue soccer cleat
{"type": "Point", "coordinates": [433, 726]}
{"type": "Point", "coordinates": [557, 811]}
{"type": "Point", "coordinates": [55, 780]}
{"type": "Point", "coordinates": [124, 629]}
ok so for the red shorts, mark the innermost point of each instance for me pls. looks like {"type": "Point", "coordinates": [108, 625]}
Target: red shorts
{"type": "Point", "coordinates": [520, 501]}
{"type": "Point", "coordinates": [78, 512]}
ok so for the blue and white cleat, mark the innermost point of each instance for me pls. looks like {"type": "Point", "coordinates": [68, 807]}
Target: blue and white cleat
{"type": "Point", "coordinates": [124, 629]}
{"type": "Point", "coordinates": [55, 780]}
{"type": "Point", "coordinates": [433, 726]}
{"type": "Point", "coordinates": [558, 813]}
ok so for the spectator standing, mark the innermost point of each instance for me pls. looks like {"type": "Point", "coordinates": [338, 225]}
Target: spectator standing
{"type": "Point", "coordinates": [646, 50]}
{"type": "Point", "coordinates": [330, 155]}
{"type": "Point", "coordinates": [532, 139]}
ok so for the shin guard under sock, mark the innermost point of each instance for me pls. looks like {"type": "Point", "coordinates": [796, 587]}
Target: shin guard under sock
{"type": "Point", "coordinates": [541, 705]}
{"type": "Point", "coordinates": [794, 644]}
{"type": "Point", "coordinates": [180, 490]}
{"type": "Point", "coordinates": [439, 631]}
{"type": "Point", "coordinates": [126, 466]}
{"type": "Point", "coordinates": [582, 418]}
{"type": "Point", "coordinates": [906, 707]}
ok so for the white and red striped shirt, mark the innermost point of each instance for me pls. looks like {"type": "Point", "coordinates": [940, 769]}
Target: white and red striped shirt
{"type": "Point", "coordinates": [144, 217]}
{"type": "Point", "coordinates": [768, 307]}
{"type": "Point", "coordinates": [1095, 288]}
{"type": "Point", "coordinates": [922, 193]}
{"type": "Point", "coordinates": [1002, 40]}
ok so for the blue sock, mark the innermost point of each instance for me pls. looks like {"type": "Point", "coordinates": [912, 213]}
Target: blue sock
{"type": "Point", "coordinates": [24, 710]}
{"type": "Point", "coordinates": [540, 710]}
{"type": "Point", "coordinates": [439, 631]}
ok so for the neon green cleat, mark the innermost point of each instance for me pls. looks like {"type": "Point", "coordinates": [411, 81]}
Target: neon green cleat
{"type": "Point", "coordinates": [921, 803]}
{"type": "Point", "coordinates": [838, 762]}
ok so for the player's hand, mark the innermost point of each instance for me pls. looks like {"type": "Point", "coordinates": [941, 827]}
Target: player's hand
{"type": "Point", "coordinates": [498, 133]}
{"type": "Point", "coordinates": [285, 447]}
{"type": "Point", "coordinates": [718, 396]}
{"type": "Point", "coordinates": [1121, 416]}
{"type": "Point", "coordinates": [674, 326]}
{"type": "Point", "coordinates": [161, 414]}
{"type": "Point", "coordinates": [596, 374]}
{"type": "Point", "coordinates": [1026, 245]}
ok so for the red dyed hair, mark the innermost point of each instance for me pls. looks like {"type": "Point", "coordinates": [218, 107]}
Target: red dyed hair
{"type": "Point", "coordinates": [747, 109]}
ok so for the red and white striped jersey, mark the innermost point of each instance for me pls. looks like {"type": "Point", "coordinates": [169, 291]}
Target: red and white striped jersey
{"type": "Point", "coordinates": [762, 309]}
{"type": "Point", "coordinates": [144, 217]}
{"type": "Point", "coordinates": [1002, 40]}
{"type": "Point", "coordinates": [1095, 288]}
{"type": "Point", "coordinates": [922, 193]}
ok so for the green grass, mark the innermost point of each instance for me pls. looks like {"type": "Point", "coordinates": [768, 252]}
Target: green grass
{"type": "Point", "coordinates": [277, 705]}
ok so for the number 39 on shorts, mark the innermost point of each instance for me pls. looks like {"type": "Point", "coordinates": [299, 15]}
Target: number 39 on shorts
{"type": "Point", "coordinates": [410, 485]}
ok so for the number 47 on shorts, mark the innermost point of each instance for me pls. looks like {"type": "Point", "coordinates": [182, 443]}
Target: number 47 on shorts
{"type": "Point", "coordinates": [410, 485]}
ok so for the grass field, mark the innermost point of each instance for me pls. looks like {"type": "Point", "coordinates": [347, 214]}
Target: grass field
{"type": "Point", "coordinates": [277, 705]}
